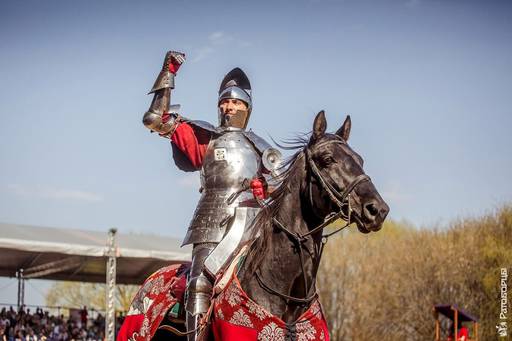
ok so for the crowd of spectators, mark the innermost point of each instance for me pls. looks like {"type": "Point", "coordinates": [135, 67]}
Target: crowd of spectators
{"type": "Point", "coordinates": [24, 325]}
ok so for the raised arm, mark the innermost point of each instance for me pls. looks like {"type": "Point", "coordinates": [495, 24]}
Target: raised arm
{"type": "Point", "coordinates": [157, 118]}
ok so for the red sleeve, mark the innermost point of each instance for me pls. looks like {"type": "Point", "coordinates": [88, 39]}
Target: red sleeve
{"type": "Point", "coordinates": [192, 142]}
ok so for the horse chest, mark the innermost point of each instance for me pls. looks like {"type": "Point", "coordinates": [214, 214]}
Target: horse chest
{"type": "Point", "coordinates": [235, 313]}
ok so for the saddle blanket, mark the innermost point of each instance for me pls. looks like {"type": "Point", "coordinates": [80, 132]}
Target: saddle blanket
{"type": "Point", "coordinates": [235, 316]}
{"type": "Point", "coordinates": [159, 292]}
{"type": "Point", "coordinates": [238, 318]}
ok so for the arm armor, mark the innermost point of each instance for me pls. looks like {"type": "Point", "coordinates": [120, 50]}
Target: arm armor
{"type": "Point", "coordinates": [160, 105]}
{"type": "Point", "coordinates": [156, 118]}
{"type": "Point", "coordinates": [154, 122]}
{"type": "Point", "coordinates": [153, 118]}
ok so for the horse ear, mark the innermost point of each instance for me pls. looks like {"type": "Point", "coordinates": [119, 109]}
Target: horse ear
{"type": "Point", "coordinates": [344, 131]}
{"type": "Point", "coordinates": [319, 126]}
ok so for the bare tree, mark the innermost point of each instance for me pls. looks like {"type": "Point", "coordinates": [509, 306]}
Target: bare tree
{"type": "Point", "coordinates": [383, 286]}
{"type": "Point", "coordinates": [92, 295]}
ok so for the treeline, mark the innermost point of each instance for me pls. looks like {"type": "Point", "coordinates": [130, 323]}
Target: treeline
{"type": "Point", "coordinates": [382, 286]}
{"type": "Point", "coordinates": [92, 295]}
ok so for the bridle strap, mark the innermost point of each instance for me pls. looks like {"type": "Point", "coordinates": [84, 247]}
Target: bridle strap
{"type": "Point", "coordinates": [337, 197]}
{"type": "Point", "coordinates": [288, 297]}
{"type": "Point", "coordinates": [331, 191]}
{"type": "Point", "coordinates": [336, 215]}
{"type": "Point", "coordinates": [340, 199]}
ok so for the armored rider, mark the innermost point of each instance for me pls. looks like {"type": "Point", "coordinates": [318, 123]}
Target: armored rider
{"type": "Point", "coordinates": [234, 164]}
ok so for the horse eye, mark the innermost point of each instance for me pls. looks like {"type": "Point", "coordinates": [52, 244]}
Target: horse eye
{"type": "Point", "coordinates": [327, 160]}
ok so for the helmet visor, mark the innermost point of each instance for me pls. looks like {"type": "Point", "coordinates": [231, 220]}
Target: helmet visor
{"type": "Point", "coordinates": [236, 93]}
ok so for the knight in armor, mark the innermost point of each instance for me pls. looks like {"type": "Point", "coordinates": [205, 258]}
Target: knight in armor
{"type": "Point", "coordinates": [234, 164]}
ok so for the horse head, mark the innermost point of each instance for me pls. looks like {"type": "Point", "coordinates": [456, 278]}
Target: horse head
{"type": "Point", "coordinates": [322, 182]}
{"type": "Point", "coordinates": [338, 180]}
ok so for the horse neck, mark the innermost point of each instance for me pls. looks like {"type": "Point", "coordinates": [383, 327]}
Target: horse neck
{"type": "Point", "coordinates": [296, 214]}
{"type": "Point", "coordinates": [281, 267]}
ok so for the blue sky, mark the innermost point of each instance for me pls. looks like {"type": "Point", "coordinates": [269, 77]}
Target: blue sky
{"type": "Point", "coordinates": [427, 84]}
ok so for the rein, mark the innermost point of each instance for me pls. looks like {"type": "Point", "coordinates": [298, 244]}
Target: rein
{"type": "Point", "coordinates": [340, 200]}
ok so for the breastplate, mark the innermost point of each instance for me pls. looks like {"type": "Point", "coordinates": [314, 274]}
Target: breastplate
{"type": "Point", "coordinates": [229, 159]}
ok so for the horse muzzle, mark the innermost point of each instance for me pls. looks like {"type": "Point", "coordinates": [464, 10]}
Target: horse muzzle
{"type": "Point", "coordinates": [372, 216]}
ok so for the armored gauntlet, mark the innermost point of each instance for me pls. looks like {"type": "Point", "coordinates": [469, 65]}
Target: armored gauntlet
{"type": "Point", "coordinates": [157, 118]}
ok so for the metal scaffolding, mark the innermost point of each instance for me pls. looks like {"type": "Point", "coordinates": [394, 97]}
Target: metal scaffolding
{"type": "Point", "coordinates": [29, 252]}
{"type": "Point", "coordinates": [21, 289]}
{"type": "Point", "coordinates": [110, 320]}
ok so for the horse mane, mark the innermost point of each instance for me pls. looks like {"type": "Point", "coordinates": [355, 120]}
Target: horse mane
{"type": "Point", "coordinates": [263, 225]}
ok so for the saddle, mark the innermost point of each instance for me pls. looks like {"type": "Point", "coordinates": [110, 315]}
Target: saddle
{"type": "Point", "coordinates": [232, 315]}
{"type": "Point", "coordinates": [160, 301]}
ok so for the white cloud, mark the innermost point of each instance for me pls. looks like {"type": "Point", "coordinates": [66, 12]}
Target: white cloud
{"type": "Point", "coordinates": [48, 192]}
{"type": "Point", "coordinates": [202, 53]}
{"type": "Point", "coordinates": [216, 40]}
{"type": "Point", "coordinates": [217, 37]}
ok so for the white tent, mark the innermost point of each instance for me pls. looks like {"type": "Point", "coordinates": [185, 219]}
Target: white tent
{"type": "Point", "coordinates": [78, 255]}
{"type": "Point", "coordinates": [86, 256]}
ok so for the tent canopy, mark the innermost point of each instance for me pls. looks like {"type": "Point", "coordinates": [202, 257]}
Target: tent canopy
{"type": "Point", "coordinates": [448, 310]}
{"type": "Point", "coordinates": [78, 255]}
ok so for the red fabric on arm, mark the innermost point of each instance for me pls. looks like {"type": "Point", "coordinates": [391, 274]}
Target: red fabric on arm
{"type": "Point", "coordinates": [166, 117]}
{"type": "Point", "coordinates": [192, 141]}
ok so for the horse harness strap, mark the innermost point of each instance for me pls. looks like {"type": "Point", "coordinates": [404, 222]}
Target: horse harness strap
{"type": "Point", "coordinates": [340, 199]}
{"type": "Point", "coordinates": [288, 297]}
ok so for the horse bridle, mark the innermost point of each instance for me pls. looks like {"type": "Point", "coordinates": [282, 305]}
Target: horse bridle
{"type": "Point", "coordinates": [341, 200]}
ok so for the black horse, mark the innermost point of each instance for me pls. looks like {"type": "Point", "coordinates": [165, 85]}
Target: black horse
{"type": "Point", "coordinates": [324, 180]}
